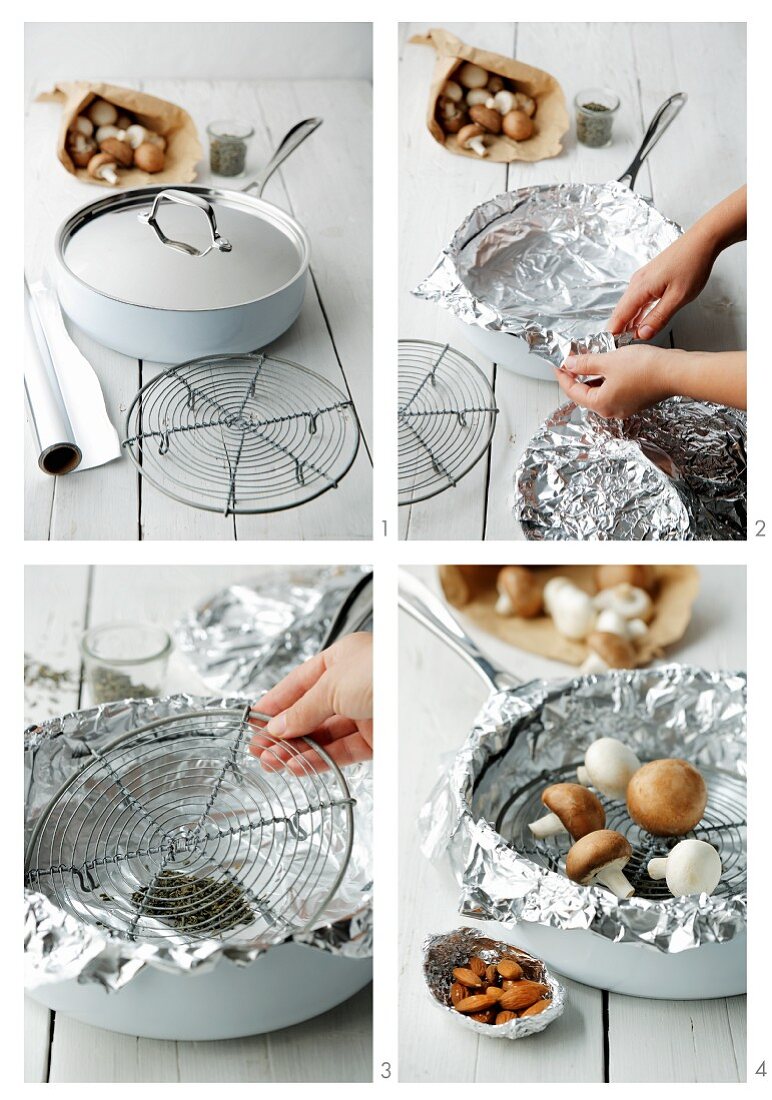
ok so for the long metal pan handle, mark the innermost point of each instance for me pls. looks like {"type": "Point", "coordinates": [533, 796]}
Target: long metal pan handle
{"type": "Point", "coordinates": [288, 145]}
{"type": "Point", "coordinates": [416, 599]}
{"type": "Point", "coordinates": [662, 119]}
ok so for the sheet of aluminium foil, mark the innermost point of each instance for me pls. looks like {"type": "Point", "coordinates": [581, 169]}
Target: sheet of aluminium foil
{"type": "Point", "coordinates": [247, 637]}
{"type": "Point", "coordinates": [675, 471]}
{"type": "Point", "coordinates": [525, 733]}
{"type": "Point", "coordinates": [549, 263]}
{"type": "Point", "coordinates": [58, 946]}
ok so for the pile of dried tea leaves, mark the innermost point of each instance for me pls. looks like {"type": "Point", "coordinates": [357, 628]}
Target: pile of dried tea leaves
{"type": "Point", "coordinates": [192, 904]}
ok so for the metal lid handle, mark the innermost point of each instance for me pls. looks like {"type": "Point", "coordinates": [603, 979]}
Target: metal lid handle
{"type": "Point", "coordinates": [185, 198]}
{"type": "Point", "coordinates": [662, 119]}
{"type": "Point", "coordinates": [289, 143]}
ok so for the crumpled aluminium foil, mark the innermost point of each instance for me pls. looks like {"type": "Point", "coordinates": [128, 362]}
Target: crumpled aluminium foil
{"type": "Point", "coordinates": [548, 264]}
{"type": "Point", "coordinates": [450, 949]}
{"type": "Point", "coordinates": [675, 471]}
{"type": "Point", "coordinates": [59, 947]}
{"type": "Point", "coordinates": [247, 637]}
{"type": "Point", "coordinates": [522, 732]}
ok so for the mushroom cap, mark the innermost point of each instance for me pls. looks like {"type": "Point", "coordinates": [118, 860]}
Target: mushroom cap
{"type": "Point", "coordinates": [628, 600]}
{"type": "Point", "coordinates": [523, 590]}
{"type": "Point", "coordinates": [466, 133]}
{"type": "Point", "coordinates": [149, 157]}
{"type": "Point", "coordinates": [667, 797]}
{"type": "Point", "coordinates": [517, 125]}
{"type": "Point", "coordinates": [639, 576]}
{"type": "Point", "coordinates": [594, 851]}
{"type": "Point", "coordinates": [472, 76]}
{"type": "Point", "coordinates": [120, 151]}
{"type": "Point", "coordinates": [97, 161]}
{"type": "Point", "coordinates": [693, 867]}
{"type": "Point", "coordinates": [580, 810]}
{"type": "Point", "coordinates": [611, 765]}
{"type": "Point", "coordinates": [102, 113]}
{"type": "Point", "coordinates": [615, 651]}
{"type": "Point", "coordinates": [487, 117]}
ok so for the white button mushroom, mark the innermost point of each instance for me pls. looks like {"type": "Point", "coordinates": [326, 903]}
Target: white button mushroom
{"type": "Point", "coordinates": [503, 102]}
{"type": "Point", "coordinates": [627, 601]}
{"type": "Point", "coordinates": [472, 76]}
{"type": "Point", "coordinates": [452, 90]}
{"type": "Point", "coordinates": [477, 97]}
{"type": "Point", "coordinates": [82, 125]}
{"type": "Point", "coordinates": [572, 610]}
{"type": "Point", "coordinates": [136, 134]}
{"type": "Point", "coordinates": [105, 132]}
{"type": "Point", "coordinates": [609, 766]}
{"type": "Point", "coordinates": [692, 867]}
{"type": "Point", "coordinates": [102, 113]}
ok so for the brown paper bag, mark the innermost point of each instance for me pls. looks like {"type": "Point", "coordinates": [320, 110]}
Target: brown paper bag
{"type": "Point", "coordinates": [550, 119]}
{"type": "Point", "coordinates": [677, 587]}
{"type": "Point", "coordinates": [183, 149]}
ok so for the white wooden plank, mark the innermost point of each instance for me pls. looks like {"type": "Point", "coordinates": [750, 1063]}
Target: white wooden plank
{"type": "Point", "coordinates": [37, 1030]}
{"type": "Point", "coordinates": [436, 191]}
{"type": "Point", "coordinates": [334, 1047]}
{"type": "Point", "coordinates": [673, 1040]}
{"type": "Point", "coordinates": [81, 1053]}
{"type": "Point", "coordinates": [54, 615]}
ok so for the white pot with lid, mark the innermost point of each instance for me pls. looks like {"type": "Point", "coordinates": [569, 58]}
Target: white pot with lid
{"type": "Point", "coordinates": [169, 274]}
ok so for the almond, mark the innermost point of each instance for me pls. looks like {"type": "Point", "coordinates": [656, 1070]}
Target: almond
{"type": "Point", "coordinates": [508, 984]}
{"type": "Point", "coordinates": [534, 1010]}
{"type": "Point", "coordinates": [491, 974]}
{"type": "Point", "coordinates": [495, 991]}
{"type": "Point", "coordinates": [482, 1017]}
{"type": "Point", "coordinates": [505, 1017]}
{"type": "Point", "coordinates": [458, 992]}
{"type": "Point", "coordinates": [478, 1002]}
{"type": "Point", "coordinates": [467, 977]}
{"type": "Point", "coordinates": [477, 966]}
{"type": "Point", "coordinates": [510, 970]}
{"type": "Point", "coordinates": [522, 995]}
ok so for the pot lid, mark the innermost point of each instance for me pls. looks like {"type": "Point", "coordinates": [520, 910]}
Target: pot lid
{"type": "Point", "coordinates": [192, 248]}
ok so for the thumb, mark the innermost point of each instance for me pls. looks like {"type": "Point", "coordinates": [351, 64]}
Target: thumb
{"type": "Point", "coordinates": [308, 713]}
{"type": "Point", "coordinates": [658, 316]}
{"type": "Point", "coordinates": [583, 364]}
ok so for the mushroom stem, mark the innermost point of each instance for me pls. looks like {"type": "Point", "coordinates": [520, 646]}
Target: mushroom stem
{"type": "Point", "coordinates": [614, 880]}
{"type": "Point", "coordinates": [549, 825]}
{"type": "Point", "coordinates": [657, 868]}
{"type": "Point", "coordinates": [583, 776]}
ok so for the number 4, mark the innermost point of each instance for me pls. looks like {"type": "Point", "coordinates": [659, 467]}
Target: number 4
{"type": "Point", "coordinates": [762, 1070]}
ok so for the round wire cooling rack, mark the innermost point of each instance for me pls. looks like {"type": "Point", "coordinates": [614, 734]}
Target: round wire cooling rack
{"type": "Point", "coordinates": [723, 826]}
{"type": "Point", "coordinates": [175, 832]}
{"type": "Point", "coordinates": [447, 416]}
{"type": "Point", "coordinates": [241, 435]}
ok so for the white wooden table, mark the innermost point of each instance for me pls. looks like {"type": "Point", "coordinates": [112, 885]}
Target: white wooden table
{"type": "Point", "coordinates": [326, 185]}
{"type": "Point", "coordinates": [333, 1047]}
{"type": "Point", "coordinates": [601, 1036]}
{"type": "Point", "coordinates": [697, 163]}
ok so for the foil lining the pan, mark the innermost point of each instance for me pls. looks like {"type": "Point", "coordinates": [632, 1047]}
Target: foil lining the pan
{"type": "Point", "coordinates": [443, 952]}
{"type": "Point", "coordinates": [548, 264]}
{"type": "Point", "coordinates": [247, 637]}
{"type": "Point", "coordinates": [523, 733]}
{"type": "Point", "coordinates": [675, 471]}
{"type": "Point", "coordinates": [59, 947]}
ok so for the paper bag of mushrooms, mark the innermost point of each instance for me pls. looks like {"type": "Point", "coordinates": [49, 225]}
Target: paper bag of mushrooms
{"type": "Point", "coordinates": [594, 617]}
{"type": "Point", "coordinates": [118, 137]}
{"type": "Point", "coordinates": [487, 106]}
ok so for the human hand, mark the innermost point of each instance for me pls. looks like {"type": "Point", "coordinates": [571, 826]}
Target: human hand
{"type": "Point", "coordinates": [658, 290]}
{"type": "Point", "coordinates": [328, 698]}
{"type": "Point", "coordinates": [631, 379]}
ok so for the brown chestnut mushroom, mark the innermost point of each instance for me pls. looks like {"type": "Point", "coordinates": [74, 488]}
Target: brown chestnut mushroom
{"type": "Point", "coordinates": [148, 157]}
{"type": "Point", "coordinates": [667, 797]}
{"type": "Point", "coordinates": [103, 167]}
{"type": "Point", "coordinates": [472, 137]}
{"type": "Point", "coordinates": [517, 125]}
{"type": "Point", "coordinates": [613, 650]}
{"type": "Point", "coordinates": [574, 810]}
{"type": "Point", "coordinates": [601, 857]}
{"type": "Point", "coordinates": [121, 152]}
{"type": "Point", "coordinates": [80, 148]}
{"type": "Point", "coordinates": [487, 117]}
{"type": "Point", "coordinates": [519, 592]}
